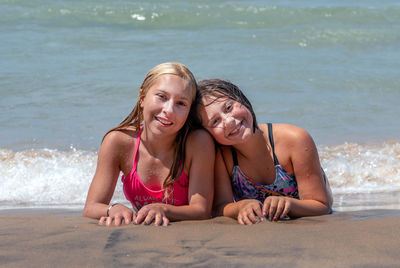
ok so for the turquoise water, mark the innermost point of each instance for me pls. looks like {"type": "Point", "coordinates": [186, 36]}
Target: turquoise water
{"type": "Point", "coordinates": [70, 70]}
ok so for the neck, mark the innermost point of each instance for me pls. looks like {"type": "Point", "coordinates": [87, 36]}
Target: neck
{"type": "Point", "coordinates": [157, 145]}
{"type": "Point", "coordinates": [250, 148]}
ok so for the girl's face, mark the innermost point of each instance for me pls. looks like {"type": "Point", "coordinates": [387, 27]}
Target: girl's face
{"type": "Point", "coordinates": [228, 121]}
{"type": "Point", "coordinates": [166, 104]}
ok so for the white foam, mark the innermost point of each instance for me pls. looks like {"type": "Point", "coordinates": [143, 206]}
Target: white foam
{"type": "Point", "coordinates": [46, 177]}
{"type": "Point", "coordinates": [138, 17]}
{"type": "Point", "coordinates": [354, 168]}
{"type": "Point", "coordinates": [51, 177]}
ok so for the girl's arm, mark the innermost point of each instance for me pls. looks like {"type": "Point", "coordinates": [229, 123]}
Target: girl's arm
{"type": "Point", "coordinates": [314, 191]}
{"type": "Point", "coordinates": [246, 211]}
{"type": "Point", "coordinates": [105, 179]}
{"type": "Point", "coordinates": [200, 153]}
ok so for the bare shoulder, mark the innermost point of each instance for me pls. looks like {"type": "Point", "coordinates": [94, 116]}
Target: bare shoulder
{"type": "Point", "coordinates": [200, 150]}
{"type": "Point", "coordinates": [199, 144]}
{"type": "Point", "coordinates": [199, 137]}
{"type": "Point", "coordinates": [291, 135]}
{"type": "Point", "coordinates": [119, 140]}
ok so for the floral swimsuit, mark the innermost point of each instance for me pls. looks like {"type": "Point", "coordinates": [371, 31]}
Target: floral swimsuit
{"type": "Point", "coordinates": [244, 187]}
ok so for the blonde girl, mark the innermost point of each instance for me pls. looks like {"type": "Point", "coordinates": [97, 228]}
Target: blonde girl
{"type": "Point", "coordinates": [167, 168]}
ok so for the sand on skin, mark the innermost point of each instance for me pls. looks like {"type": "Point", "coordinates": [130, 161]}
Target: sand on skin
{"type": "Point", "coordinates": [365, 238]}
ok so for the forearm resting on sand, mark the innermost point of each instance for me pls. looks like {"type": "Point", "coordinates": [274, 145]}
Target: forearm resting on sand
{"type": "Point", "coordinates": [249, 211]}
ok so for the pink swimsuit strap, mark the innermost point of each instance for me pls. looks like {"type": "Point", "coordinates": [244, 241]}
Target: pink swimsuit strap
{"type": "Point", "coordinates": [139, 194]}
{"type": "Point", "coordinates": [136, 150]}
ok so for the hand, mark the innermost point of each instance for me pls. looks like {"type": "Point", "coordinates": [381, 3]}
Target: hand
{"type": "Point", "coordinates": [276, 207]}
{"type": "Point", "coordinates": [152, 212]}
{"type": "Point", "coordinates": [118, 213]}
{"type": "Point", "coordinates": [250, 212]}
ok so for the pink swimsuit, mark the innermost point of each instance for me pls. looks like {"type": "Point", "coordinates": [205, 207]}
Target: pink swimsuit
{"type": "Point", "coordinates": [140, 195]}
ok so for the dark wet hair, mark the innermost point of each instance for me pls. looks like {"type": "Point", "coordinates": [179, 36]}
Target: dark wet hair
{"type": "Point", "coordinates": [221, 89]}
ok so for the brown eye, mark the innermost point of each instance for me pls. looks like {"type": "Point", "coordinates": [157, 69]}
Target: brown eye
{"type": "Point", "coordinates": [181, 103]}
{"type": "Point", "coordinates": [228, 107]}
{"type": "Point", "coordinates": [214, 122]}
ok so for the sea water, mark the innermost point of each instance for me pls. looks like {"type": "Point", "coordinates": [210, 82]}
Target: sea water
{"type": "Point", "coordinates": [70, 71]}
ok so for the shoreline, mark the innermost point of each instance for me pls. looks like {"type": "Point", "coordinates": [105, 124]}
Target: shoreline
{"type": "Point", "coordinates": [342, 239]}
{"type": "Point", "coordinates": [343, 202]}
{"type": "Point", "coordinates": [68, 212]}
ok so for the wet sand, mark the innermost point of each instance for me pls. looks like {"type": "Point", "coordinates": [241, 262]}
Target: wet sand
{"type": "Point", "coordinates": [57, 238]}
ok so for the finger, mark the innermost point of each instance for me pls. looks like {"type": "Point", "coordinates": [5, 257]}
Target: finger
{"type": "Point", "coordinates": [165, 221]}
{"type": "Point", "coordinates": [279, 209]}
{"type": "Point", "coordinates": [127, 218]}
{"type": "Point", "coordinates": [149, 218]}
{"type": "Point", "coordinates": [158, 220]}
{"type": "Point", "coordinates": [117, 220]}
{"type": "Point", "coordinates": [286, 210]}
{"type": "Point", "coordinates": [265, 209]}
{"type": "Point", "coordinates": [240, 220]}
{"type": "Point", "coordinates": [109, 221]}
{"type": "Point", "coordinates": [259, 213]}
{"type": "Point", "coordinates": [102, 219]}
{"type": "Point", "coordinates": [134, 217]}
{"type": "Point", "coordinates": [252, 217]}
{"type": "Point", "coordinates": [141, 216]}
{"type": "Point", "coordinates": [272, 209]}
{"type": "Point", "coordinates": [246, 220]}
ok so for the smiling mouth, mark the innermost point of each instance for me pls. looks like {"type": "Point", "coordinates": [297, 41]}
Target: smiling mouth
{"type": "Point", "coordinates": [163, 121]}
{"type": "Point", "coordinates": [236, 130]}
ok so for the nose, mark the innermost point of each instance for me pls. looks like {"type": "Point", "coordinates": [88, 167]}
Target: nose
{"type": "Point", "coordinates": [168, 107]}
{"type": "Point", "coordinates": [229, 121]}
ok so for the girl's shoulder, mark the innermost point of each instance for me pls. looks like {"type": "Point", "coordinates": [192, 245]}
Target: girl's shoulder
{"type": "Point", "coordinates": [199, 148]}
{"type": "Point", "coordinates": [198, 138]}
{"type": "Point", "coordinates": [120, 139]}
{"type": "Point", "coordinates": [287, 135]}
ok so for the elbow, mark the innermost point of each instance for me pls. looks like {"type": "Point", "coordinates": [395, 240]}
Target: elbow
{"type": "Point", "coordinates": [327, 205]}
{"type": "Point", "coordinates": [328, 209]}
{"type": "Point", "coordinates": [205, 216]}
{"type": "Point", "coordinates": [85, 212]}
{"type": "Point", "coordinates": [325, 208]}
{"type": "Point", "coordinates": [204, 213]}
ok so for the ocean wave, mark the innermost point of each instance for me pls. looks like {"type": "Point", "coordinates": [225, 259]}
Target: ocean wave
{"type": "Point", "coordinates": [302, 25]}
{"type": "Point", "coordinates": [356, 168]}
{"type": "Point", "coordinates": [52, 177]}
{"type": "Point", "coordinates": [46, 177]}
{"type": "Point", "coordinates": [207, 14]}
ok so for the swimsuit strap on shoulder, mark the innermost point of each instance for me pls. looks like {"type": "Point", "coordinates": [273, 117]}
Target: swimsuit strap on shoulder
{"type": "Point", "coordinates": [271, 141]}
{"type": "Point", "coordinates": [136, 150]}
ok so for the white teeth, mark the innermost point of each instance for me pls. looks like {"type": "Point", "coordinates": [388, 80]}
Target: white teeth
{"type": "Point", "coordinates": [164, 121]}
{"type": "Point", "coordinates": [236, 129]}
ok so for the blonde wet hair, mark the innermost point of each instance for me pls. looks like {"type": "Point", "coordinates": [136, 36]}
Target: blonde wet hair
{"type": "Point", "coordinates": [135, 118]}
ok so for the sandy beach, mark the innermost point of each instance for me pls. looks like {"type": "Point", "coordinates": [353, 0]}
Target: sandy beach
{"type": "Point", "coordinates": [43, 238]}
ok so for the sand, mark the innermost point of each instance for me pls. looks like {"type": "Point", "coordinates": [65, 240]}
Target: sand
{"type": "Point", "coordinates": [48, 238]}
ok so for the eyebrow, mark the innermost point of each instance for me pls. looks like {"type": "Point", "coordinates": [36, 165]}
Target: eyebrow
{"type": "Point", "coordinates": [166, 92]}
